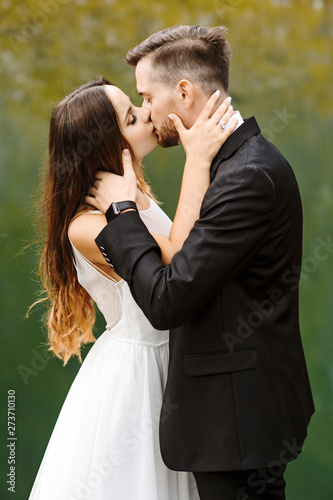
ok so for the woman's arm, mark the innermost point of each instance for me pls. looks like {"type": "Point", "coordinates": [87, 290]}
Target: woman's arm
{"type": "Point", "coordinates": [195, 183]}
{"type": "Point", "coordinates": [201, 144]}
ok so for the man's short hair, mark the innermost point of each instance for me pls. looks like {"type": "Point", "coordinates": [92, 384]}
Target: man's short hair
{"type": "Point", "coordinates": [198, 54]}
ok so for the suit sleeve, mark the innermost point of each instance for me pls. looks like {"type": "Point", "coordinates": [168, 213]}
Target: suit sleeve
{"type": "Point", "coordinates": [238, 211]}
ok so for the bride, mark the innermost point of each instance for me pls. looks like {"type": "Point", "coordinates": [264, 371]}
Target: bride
{"type": "Point", "coordinates": [105, 443]}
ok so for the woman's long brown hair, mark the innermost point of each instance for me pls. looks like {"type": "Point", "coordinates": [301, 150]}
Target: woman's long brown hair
{"type": "Point", "coordinates": [84, 137]}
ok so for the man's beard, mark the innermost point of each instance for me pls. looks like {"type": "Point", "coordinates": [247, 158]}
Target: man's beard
{"type": "Point", "coordinates": [167, 134]}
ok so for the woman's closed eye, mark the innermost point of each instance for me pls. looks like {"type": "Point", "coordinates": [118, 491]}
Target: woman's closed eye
{"type": "Point", "coordinates": [134, 118]}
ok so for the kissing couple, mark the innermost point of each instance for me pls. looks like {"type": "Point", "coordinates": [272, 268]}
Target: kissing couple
{"type": "Point", "coordinates": [198, 387]}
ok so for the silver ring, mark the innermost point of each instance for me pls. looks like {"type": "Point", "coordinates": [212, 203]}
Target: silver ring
{"type": "Point", "coordinates": [222, 123]}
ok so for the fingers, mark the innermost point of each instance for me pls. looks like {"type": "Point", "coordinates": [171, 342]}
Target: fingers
{"type": "Point", "coordinates": [90, 200]}
{"type": "Point", "coordinates": [99, 175]}
{"type": "Point", "coordinates": [231, 127]}
{"type": "Point", "coordinates": [209, 106]}
{"type": "Point", "coordinates": [223, 120]}
{"type": "Point", "coordinates": [108, 186]}
{"type": "Point", "coordinates": [224, 111]}
{"type": "Point", "coordinates": [178, 123]}
{"type": "Point", "coordinates": [127, 163]}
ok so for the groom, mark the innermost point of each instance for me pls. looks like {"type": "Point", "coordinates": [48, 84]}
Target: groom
{"type": "Point", "coordinates": [238, 401]}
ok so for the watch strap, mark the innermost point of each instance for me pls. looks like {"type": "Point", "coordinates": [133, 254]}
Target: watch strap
{"type": "Point", "coordinates": [117, 207]}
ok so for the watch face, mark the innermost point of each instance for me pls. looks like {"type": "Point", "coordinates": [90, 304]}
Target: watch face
{"type": "Point", "coordinates": [115, 208]}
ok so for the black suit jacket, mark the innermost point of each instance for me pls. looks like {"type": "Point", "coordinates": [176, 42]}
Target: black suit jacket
{"type": "Point", "coordinates": [238, 394]}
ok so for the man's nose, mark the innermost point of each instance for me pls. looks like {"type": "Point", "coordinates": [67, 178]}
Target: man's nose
{"type": "Point", "coordinates": [145, 114]}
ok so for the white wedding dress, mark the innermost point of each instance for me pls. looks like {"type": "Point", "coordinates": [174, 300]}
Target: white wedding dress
{"type": "Point", "coordinates": [105, 443]}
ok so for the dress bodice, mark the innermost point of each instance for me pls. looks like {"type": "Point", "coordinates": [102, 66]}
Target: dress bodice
{"type": "Point", "coordinates": [115, 402]}
{"type": "Point", "coordinates": [123, 317]}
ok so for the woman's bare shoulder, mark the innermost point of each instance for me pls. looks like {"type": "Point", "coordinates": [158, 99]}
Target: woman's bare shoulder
{"type": "Point", "coordinates": [83, 230]}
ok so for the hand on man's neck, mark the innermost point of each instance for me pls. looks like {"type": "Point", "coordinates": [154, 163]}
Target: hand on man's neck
{"type": "Point", "coordinates": [223, 96]}
{"type": "Point", "coordinates": [198, 105]}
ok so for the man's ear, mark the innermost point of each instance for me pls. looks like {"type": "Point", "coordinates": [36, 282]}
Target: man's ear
{"type": "Point", "coordinates": [185, 94]}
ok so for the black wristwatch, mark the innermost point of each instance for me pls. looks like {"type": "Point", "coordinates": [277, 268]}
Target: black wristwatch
{"type": "Point", "coordinates": [116, 207]}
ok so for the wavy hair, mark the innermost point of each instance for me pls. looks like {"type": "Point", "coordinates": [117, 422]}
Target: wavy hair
{"type": "Point", "coordinates": [84, 137]}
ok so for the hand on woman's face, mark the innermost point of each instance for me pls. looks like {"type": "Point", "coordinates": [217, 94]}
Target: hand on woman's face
{"type": "Point", "coordinates": [135, 123]}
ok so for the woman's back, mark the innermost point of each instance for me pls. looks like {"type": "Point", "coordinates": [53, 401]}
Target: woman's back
{"type": "Point", "coordinates": [105, 443]}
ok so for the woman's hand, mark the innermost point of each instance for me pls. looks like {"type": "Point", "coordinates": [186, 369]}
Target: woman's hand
{"type": "Point", "coordinates": [109, 187]}
{"type": "Point", "coordinates": [204, 139]}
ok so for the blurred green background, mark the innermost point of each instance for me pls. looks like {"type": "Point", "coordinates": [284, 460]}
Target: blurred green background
{"type": "Point", "coordinates": [281, 73]}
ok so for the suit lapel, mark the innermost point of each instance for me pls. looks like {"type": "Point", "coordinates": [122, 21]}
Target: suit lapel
{"type": "Point", "coordinates": [236, 140]}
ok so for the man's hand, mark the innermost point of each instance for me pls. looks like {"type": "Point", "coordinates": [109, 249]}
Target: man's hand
{"type": "Point", "coordinates": [109, 188]}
